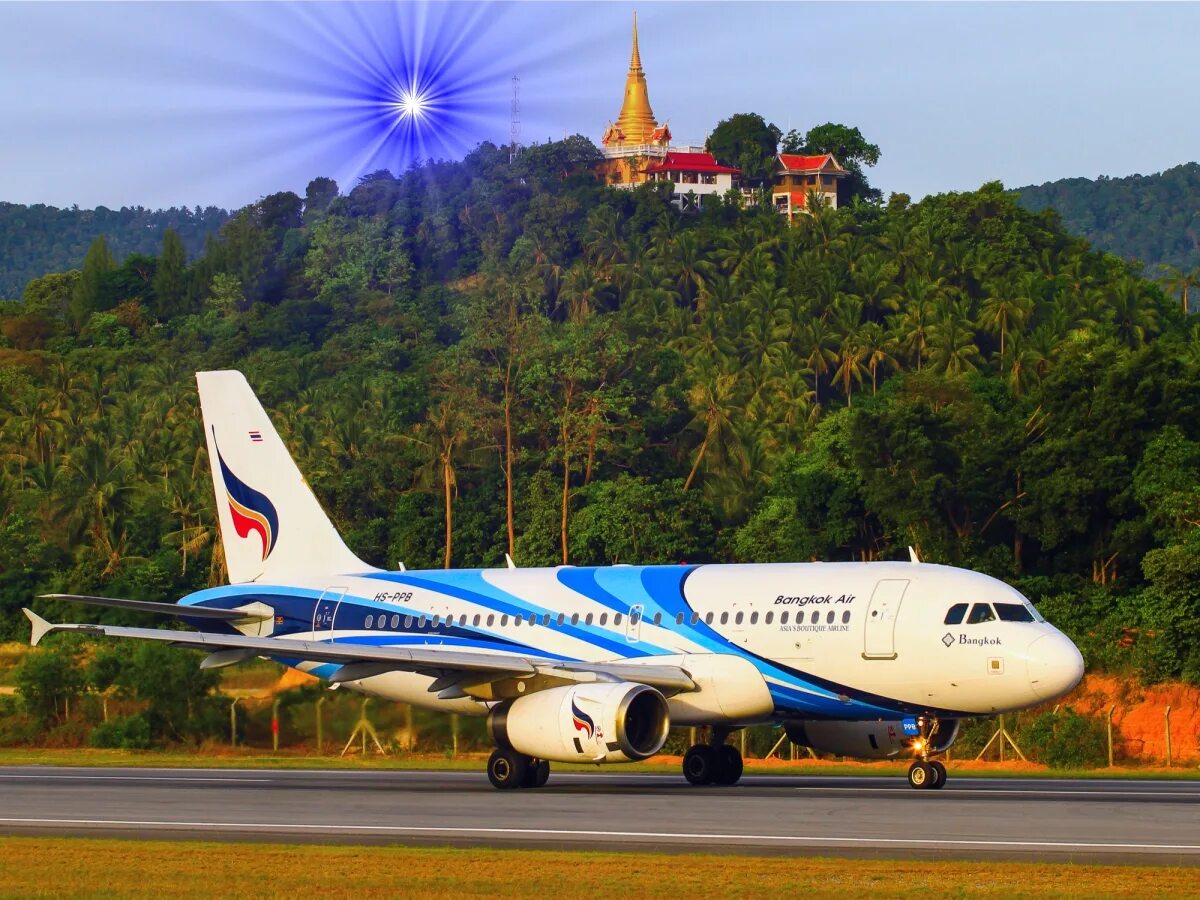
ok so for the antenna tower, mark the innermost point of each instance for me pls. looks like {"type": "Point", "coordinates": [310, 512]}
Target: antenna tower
{"type": "Point", "coordinates": [514, 129]}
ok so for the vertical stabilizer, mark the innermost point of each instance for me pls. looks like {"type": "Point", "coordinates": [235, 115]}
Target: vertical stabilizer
{"type": "Point", "coordinates": [272, 526]}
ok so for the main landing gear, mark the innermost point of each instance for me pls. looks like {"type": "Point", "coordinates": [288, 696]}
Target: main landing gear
{"type": "Point", "coordinates": [713, 763]}
{"type": "Point", "coordinates": [508, 770]}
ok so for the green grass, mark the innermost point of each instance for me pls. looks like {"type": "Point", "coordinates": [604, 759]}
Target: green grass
{"type": "Point", "coordinates": [84, 867]}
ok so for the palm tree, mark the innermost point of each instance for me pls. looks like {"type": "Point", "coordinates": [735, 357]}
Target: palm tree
{"type": "Point", "coordinates": [1177, 281]}
{"type": "Point", "coordinates": [715, 406]}
{"type": "Point", "coordinates": [1002, 312]}
{"type": "Point", "coordinates": [878, 347]}
{"type": "Point", "coordinates": [952, 337]}
{"type": "Point", "coordinates": [1133, 317]}
{"type": "Point", "coordinates": [818, 341]}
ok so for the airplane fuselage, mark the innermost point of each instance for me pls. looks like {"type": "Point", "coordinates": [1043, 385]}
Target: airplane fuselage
{"type": "Point", "coordinates": [766, 642]}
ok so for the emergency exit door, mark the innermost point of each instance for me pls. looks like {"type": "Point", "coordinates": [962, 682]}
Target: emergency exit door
{"type": "Point", "coordinates": [879, 641]}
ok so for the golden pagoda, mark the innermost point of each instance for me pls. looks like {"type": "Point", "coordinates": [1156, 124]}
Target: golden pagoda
{"type": "Point", "coordinates": [636, 134]}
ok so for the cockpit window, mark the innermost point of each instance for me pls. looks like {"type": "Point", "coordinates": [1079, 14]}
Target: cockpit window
{"type": "Point", "coordinates": [1013, 612]}
{"type": "Point", "coordinates": [981, 612]}
{"type": "Point", "coordinates": [956, 613]}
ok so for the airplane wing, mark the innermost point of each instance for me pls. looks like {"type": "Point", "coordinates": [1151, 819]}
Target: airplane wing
{"type": "Point", "coordinates": [166, 609]}
{"type": "Point", "coordinates": [458, 672]}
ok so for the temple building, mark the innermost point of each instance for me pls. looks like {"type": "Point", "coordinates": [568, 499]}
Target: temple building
{"type": "Point", "coordinates": [638, 149]}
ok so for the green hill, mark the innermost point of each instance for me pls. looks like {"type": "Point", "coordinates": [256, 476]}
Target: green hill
{"type": "Point", "coordinates": [38, 239]}
{"type": "Point", "coordinates": [484, 356]}
{"type": "Point", "coordinates": [1151, 218]}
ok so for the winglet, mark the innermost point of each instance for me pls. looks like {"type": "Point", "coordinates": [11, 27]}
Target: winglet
{"type": "Point", "coordinates": [912, 555]}
{"type": "Point", "coordinates": [41, 627]}
{"type": "Point", "coordinates": [508, 559]}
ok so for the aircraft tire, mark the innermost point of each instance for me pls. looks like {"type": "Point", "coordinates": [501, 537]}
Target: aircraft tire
{"type": "Point", "coordinates": [921, 775]}
{"type": "Point", "coordinates": [507, 769]}
{"type": "Point", "coordinates": [700, 764]}
{"type": "Point", "coordinates": [729, 765]}
{"type": "Point", "coordinates": [537, 774]}
{"type": "Point", "coordinates": [939, 775]}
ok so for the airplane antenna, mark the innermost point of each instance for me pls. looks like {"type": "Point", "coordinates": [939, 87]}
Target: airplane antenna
{"type": "Point", "coordinates": [401, 566]}
{"type": "Point", "coordinates": [912, 555]}
{"type": "Point", "coordinates": [508, 559]}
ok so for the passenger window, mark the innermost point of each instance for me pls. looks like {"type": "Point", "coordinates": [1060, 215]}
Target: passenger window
{"type": "Point", "coordinates": [695, 618]}
{"type": "Point", "coordinates": [980, 612]}
{"type": "Point", "coordinates": [845, 617]}
{"type": "Point", "coordinates": [770, 616]}
{"type": "Point", "coordinates": [408, 621]}
{"type": "Point", "coordinates": [635, 617]}
{"type": "Point", "coordinates": [708, 618]}
{"type": "Point", "coordinates": [574, 618]}
{"type": "Point", "coordinates": [813, 619]}
{"type": "Point", "coordinates": [658, 618]}
{"type": "Point", "coordinates": [370, 621]}
{"type": "Point", "coordinates": [738, 618]}
{"type": "Point", "coordinates": [587, 620]}
{"type": "Point", "coordinates": [678, 618]}
{"type": "Point", "coordinates": [616, 618]}
{"type": "Point", "coordinates": [955, 614]}
{"type": "Point", "coordinates": [604, 618]}
{"type": "Point", "coordinates": [491, 619]}
{"type": "Point", "coordinates": [561, 618]}
{"type": "Point", "coordinates": [724, 618]}
{"type": "Point", "coordinates": [545, 619]}
{"type": "Point", "coordinates": [753, 618]}
{"type": "Point", "coordinates": [475, 621]}
{"type": "Point", "coordinates": [395, 621]}
{"type": "Point", "coordinates": [783, 617]}
{"type": "Point", "coordinates": [382, 622]}
{"type": "Point", "coordinates": [504, 620]}
{"type": "Point", "coordinates": [517, 620]}
{"type": "Point", "coordinates": [829, 617]}
{"type": "Point", "coordinates": [1013, 612]}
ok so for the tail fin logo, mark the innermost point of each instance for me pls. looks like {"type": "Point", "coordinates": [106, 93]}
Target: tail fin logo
{"type": "Point", "coordinates": [581, 720]}
{"type": "Point", "coordinates": [251, 510]}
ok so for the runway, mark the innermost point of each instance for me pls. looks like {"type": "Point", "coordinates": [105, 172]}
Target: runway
{"type": "Point", "coordinates": [1097, 820]}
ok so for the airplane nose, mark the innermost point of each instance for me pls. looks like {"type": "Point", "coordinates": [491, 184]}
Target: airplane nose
{"type": "Point", "coordinates": [1055, 665]}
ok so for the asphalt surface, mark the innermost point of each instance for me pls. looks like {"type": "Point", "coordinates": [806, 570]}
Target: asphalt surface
{"type": "Point", "coordinates": [1100, 820]}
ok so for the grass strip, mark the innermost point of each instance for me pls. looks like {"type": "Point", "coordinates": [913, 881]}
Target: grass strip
{"type": "Point", "coordinates": [86, 867]}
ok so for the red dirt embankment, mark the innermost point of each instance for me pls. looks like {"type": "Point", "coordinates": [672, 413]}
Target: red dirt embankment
{"type": "Point", "coordinates": [1139, 716]}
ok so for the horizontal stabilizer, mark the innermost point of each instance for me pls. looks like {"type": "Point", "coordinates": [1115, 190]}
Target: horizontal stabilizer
{"type": "Point", "coordinates": [166, 609]}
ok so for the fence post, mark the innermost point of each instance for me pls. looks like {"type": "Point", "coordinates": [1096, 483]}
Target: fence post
{"type": "Point", "coordinates": [454, 735]}
{"type": "Point", "coordinates": [1110, 742]}
{"type": "Point", "coordinates": [1168, 718]}
{"type": "Point", "coordinates": [233, 723]}
{"type": "Point", "coordinates": [275, 726]}
{"type": "Point", "coordinates": [320, 736]}
{"type": "Point", "coordinates": [743, 749]}
{"type": "Point", "coordinates": [1001, 723]}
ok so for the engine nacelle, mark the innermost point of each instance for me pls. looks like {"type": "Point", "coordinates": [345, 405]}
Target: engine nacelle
{"type": "Point", "coordinates": [870, 740]}
{"type": "Point", "coordinates": [592, 723]}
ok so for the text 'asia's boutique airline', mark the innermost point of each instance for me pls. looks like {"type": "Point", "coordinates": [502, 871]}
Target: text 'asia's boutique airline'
{"type": "Point", "coordinates": [593, 665]}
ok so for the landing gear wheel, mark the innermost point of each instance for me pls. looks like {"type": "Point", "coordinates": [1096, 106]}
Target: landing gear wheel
{"type": "Point", "coordinates": [507, 769]}
{"type": "Point", "coordinates": [939, 773]}
{"type": "Point", "coordinates": [536, 774]}
{"type": "Point", "coordinates": [729, 765]}
{"type": "Point", "coordinates": [700, 764]}
{"type": "Point", "coordinates": [921, 775]}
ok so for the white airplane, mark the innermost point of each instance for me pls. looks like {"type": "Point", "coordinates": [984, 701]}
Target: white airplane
{"type": "Point", "coordinates": [593, 664]}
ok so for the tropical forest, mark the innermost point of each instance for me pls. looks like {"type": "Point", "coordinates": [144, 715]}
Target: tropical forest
{"type": "Point", "coordinates": [500, 355]}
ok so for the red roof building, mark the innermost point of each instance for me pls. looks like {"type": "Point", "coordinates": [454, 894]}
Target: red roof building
{"type": "Point", "coordinates": [694, 176]}
{"type": "Point", "coordinates": [798, 175]}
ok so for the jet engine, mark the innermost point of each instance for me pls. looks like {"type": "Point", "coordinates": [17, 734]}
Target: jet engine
{"type": "Point", "coordinates": [871, 740]}
{"type": "Point", "coordinates": [595, 722]}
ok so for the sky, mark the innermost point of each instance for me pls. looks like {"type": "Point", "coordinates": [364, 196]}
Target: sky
{"type": "Point", "coordinates": [196, 103]}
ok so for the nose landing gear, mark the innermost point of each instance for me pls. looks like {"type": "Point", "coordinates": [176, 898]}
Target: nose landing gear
{"type": "Point", "coordinates": [713, 763]}
{"type": "Point", "coordinates": [927, 774]}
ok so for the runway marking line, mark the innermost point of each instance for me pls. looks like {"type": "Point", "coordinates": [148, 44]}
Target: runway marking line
{"type": "Point", "coordinates": [206, 779]}
{"type": "Point", "coordinates": [549, 832]}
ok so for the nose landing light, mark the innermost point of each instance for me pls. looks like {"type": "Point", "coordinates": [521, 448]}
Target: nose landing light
{"type": "Point", "coordinates": [1055, 666]}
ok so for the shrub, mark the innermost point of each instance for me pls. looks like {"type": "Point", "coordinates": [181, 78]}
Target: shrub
{"type": "Point", "coordinates": [1066, 740]}
{"type": "Point", "coordinates": [128, 733]}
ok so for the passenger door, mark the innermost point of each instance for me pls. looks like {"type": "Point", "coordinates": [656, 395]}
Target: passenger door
{"type": "Point", "coordinates": [879, 633]}
{"type": "Point", "coordinates": [633, 625]}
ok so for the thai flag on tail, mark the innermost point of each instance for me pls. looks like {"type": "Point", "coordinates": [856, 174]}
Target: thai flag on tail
{"type": "Point", "coordinates": [256, 437]}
